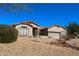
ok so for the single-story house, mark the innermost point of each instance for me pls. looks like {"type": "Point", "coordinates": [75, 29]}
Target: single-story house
{"type": "Point", "coordinates": [31, 29]}
{"type": "Point", "coordinates": [27, 28]}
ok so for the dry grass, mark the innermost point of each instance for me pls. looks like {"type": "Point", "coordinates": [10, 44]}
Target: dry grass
{"type": "Point", "coordinates": [74, 42]}
{"type": "Point", "coordinates": [25, 47]}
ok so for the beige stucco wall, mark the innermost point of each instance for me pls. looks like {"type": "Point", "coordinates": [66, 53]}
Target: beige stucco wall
{"type": "Point", "coordinates": [18, 27]}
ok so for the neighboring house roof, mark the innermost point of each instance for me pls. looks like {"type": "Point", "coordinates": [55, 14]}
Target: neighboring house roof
{"type": "Point", "coordinates": [56, 25]}
{"type": "Point", "coordinates": [42, 28]}
{"type": "Point", "coordinates": [26, 23]}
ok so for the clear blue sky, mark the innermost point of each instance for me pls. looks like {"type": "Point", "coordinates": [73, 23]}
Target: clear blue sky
{"type": "Point", "coordinates": [43, 14]}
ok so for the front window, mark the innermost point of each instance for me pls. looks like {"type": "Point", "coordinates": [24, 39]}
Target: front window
{"type": "Point", "coordinates": [24, 31]}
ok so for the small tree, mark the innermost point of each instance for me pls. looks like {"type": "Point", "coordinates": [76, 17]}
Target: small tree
{"type": "Point", "coordinates": [8, 34]}
{"type": "Point", "coordinates": [73, 28]}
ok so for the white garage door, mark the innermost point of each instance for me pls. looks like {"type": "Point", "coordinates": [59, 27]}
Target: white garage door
{"type": "Point", "coordinates": [54, 35]}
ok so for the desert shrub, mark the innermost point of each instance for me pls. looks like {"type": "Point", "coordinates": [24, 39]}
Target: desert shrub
{"type": "Point", "coordinates": [8, 34]}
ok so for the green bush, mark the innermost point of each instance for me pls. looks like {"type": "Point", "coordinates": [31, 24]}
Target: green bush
{"type": "Point", "coordinates": [8, 34]}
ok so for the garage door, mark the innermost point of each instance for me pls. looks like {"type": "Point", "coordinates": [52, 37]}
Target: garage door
{"type": "Point", "coordinates": [54, 35]}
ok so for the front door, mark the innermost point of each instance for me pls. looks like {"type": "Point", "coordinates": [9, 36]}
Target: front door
{"type": "Point", "coordinates": [35, 32]}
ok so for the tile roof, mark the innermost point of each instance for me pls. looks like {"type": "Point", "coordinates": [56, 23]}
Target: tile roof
{"type": "Point", "coordinates": [26, 23]}
{"type": "Point", "coordinates": [56, 25]}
